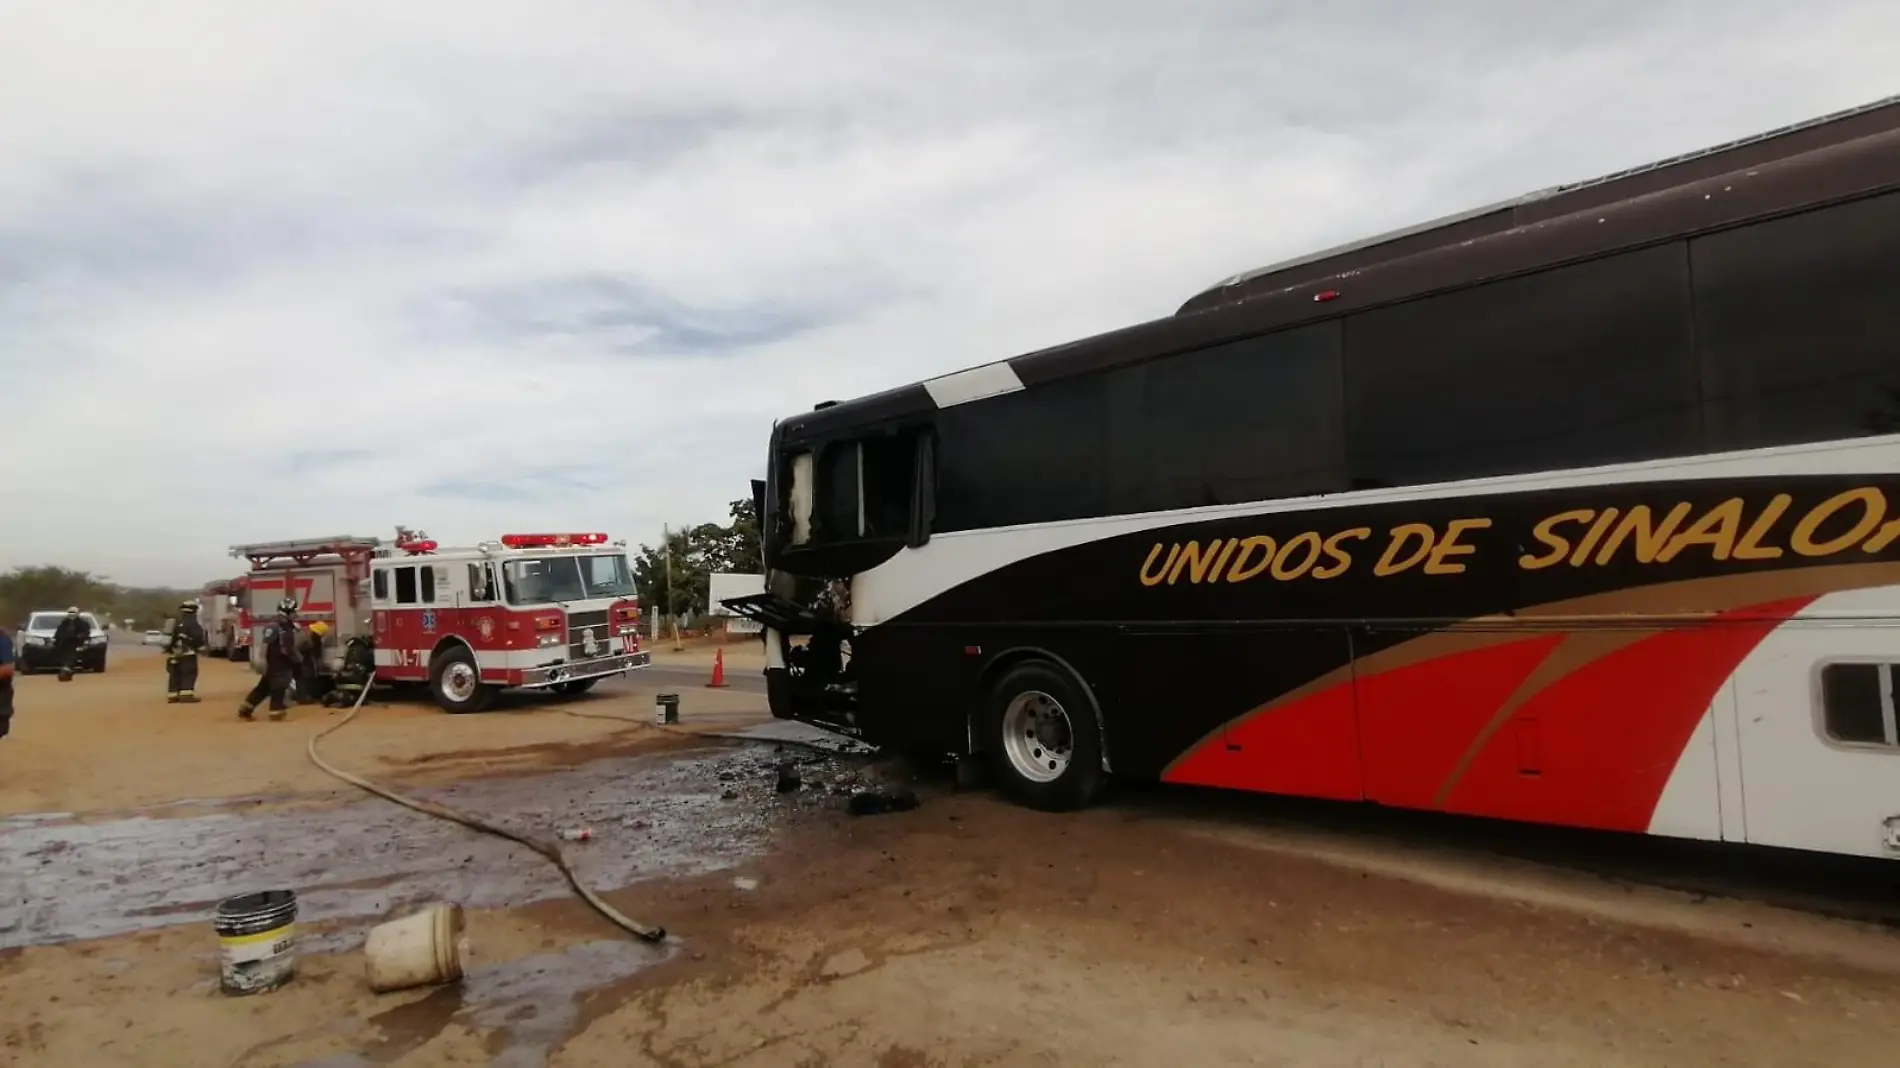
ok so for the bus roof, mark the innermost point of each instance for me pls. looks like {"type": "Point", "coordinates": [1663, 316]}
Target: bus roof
{"type": "Point", "coordinates": [1558, 200]}
{"type": "Point", "coordinates": [1834, 158]}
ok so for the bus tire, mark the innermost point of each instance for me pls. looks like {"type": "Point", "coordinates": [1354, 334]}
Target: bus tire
{"type": "Point", "coordinates": [455, 682]}
{"type": "Point", "coordinates": [1041, 740]}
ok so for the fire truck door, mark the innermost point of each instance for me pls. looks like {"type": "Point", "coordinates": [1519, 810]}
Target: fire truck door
{"type": "Point", "coordinates": [413, 616]}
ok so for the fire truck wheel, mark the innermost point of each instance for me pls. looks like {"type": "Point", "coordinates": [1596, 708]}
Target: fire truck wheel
{"type": "Point", "coordinates": [456, 684]}
{"type": "Point", "coordinates": [574, 687]}
{"type": "Point", "coordinates": [1041, 739]}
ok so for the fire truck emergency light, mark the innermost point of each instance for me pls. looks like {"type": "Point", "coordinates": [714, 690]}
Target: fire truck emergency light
{"type": "Point", "coordinates": [541, 541]}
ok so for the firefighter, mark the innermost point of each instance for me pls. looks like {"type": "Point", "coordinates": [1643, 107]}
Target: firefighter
{"type": "Point", "coordinates": [181, 656]}
{"type": "Point", "coordinates": [359, 668]}
{"type": "Point", "coordinates": [310, 662]}
{"type": "Point", "coordinates": [280, 663]}
{"type": "Point", "coordinates": [69, 640]}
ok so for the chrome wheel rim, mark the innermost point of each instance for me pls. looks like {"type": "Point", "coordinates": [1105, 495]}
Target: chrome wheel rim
{"type": "Point", "coordinates": [459, 681]}
{"type": "Point", "coordinates": [1038, 737]}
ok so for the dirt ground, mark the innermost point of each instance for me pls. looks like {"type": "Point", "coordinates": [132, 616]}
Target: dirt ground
{"type": "Point", "coordinates": [965, 932]}
{"type": "Point", "coordinates": [110, 742]}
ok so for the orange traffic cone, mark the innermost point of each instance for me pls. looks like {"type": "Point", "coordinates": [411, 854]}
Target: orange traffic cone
{"type": "Point", "coordinates": [719, 669]}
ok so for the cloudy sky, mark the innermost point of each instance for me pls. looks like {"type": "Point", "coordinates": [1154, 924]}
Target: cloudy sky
{"type": "Point", "coordinates": [273, 270]}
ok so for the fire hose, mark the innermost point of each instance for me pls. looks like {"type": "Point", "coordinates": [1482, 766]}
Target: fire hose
{"type": "Point", "coordinates": [547, 849]}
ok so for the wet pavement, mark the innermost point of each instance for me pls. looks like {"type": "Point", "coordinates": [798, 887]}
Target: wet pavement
{"type": "Point", "coordinates": [526, 1008]}
{"type": "Point", "coordinates": [651, 817]}
{"type": "Point", "coordinates": [687, 678]}
{"type": "Point", "coordinates": [800, 735]}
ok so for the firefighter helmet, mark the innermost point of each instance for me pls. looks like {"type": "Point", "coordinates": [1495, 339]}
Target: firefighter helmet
{"type": "Point", "coordinates": [319, 628]}
{"type": "Point", "coordinates": [287, 606]}
{"type": "Point", "coordinates": [188, 606]}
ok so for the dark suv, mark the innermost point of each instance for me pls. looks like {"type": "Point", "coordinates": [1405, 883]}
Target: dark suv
{"type": "Point", "coordinates": [33, 644]}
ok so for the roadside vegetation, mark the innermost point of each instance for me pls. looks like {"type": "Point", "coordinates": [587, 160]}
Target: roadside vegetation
{"type": "Point", "coordinates": [25, 590]}
{"type": "Point", "coordinates": [697, 552]}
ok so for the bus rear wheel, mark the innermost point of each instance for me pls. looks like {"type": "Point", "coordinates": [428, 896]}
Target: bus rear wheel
{"type": "Point", "coordinates": [456, 683]}
{"type": "Point", "coordinates": [1041, 739]}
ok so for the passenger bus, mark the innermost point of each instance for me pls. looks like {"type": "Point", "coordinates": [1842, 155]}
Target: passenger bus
{"type": "Point", "coordinates": [1582, 509]}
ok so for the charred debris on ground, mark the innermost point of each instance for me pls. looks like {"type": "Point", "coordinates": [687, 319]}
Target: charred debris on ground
{"type": "Point", "coordinates": [858, 780]}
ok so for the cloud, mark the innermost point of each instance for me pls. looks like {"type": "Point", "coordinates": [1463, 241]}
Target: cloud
{"type": "Point", "coordinates": [276, 270]}
{"type": "Point", "coordinates": [307, 461]}
{"type": "Point", "coordinates": [617, 315]}
{"type": "Point", "coordinates": [537, 485]}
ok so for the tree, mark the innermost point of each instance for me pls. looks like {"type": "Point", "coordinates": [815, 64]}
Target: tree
{"type": "Point", "coordinates": [689, 550]}
{"type": "Point", "coordinates": [739, 548]}
{"type": "Point", "coordinates": [696, 552]}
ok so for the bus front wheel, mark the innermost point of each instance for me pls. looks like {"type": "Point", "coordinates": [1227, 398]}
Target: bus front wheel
{"type": "Point", "coordinates": [1041, 739]}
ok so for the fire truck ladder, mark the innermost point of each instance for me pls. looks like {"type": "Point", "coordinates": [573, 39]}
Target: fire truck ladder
{"type": "Point", "coordinates": [304, 550]}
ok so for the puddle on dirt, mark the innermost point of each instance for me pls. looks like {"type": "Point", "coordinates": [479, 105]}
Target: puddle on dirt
{"type": "Point", "coordinates": [651, 816]}
{"type": "Point", "coordinates": [524, 1009]}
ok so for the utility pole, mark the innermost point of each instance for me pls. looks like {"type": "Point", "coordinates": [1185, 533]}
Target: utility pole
{"type": "Point", "coordinates": [666, 551]}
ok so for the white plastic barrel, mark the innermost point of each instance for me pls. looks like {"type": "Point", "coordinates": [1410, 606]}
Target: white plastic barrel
{"type": "Point", "coordinates": [423, 949]}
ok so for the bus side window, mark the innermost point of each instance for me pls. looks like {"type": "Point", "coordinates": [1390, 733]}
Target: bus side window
{"type": "Point", "coordinates": [1034, 455]}
{"type": "Point", "coordinates": [1795, 325]}
{"type": "Point", "coordinates": [1575, 366]}
{"type": "Point", "coordinates": [868, 488]}
{"type": "Point", "coordinates": [839, 509]}
{"type": "Point", "coordinates": [888, 478]}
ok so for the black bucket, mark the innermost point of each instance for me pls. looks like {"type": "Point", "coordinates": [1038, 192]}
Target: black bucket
{"type": "Point", "coordinates": [667, 708]}
{"type": "Point", "coordinates": [257, 935]}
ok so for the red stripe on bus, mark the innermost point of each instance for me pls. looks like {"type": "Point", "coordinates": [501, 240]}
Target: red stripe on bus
{"type": "Point", "coordinates": [1418, 720]}
{"type": "Point", "coordinates": [1607, 736]}
{"type": "Point", "coordinates": [1307, 747]}
{"type": "Point", "coordinates": [1593, 748]}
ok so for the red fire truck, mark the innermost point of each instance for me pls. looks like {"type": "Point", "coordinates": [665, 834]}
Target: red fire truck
{"type": "Point", "coordinates": [240, 648]}
{"type": "Point", "coordinates": [535, 611]}
{"type": "Point", "coordinates": [221, 613]}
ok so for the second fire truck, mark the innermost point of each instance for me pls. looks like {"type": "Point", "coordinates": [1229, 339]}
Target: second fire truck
{"type": "Point", "coordinates": [221, 613]}
{"type": "Point", "coordinates": [534, 611]}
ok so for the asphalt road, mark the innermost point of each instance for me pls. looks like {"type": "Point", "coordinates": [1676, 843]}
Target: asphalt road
{"type": "Point", "coordinates": [689, 676]}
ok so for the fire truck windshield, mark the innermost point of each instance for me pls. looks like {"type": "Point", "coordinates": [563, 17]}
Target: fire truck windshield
{"type": "Point", "coordinates": [559, 579]}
